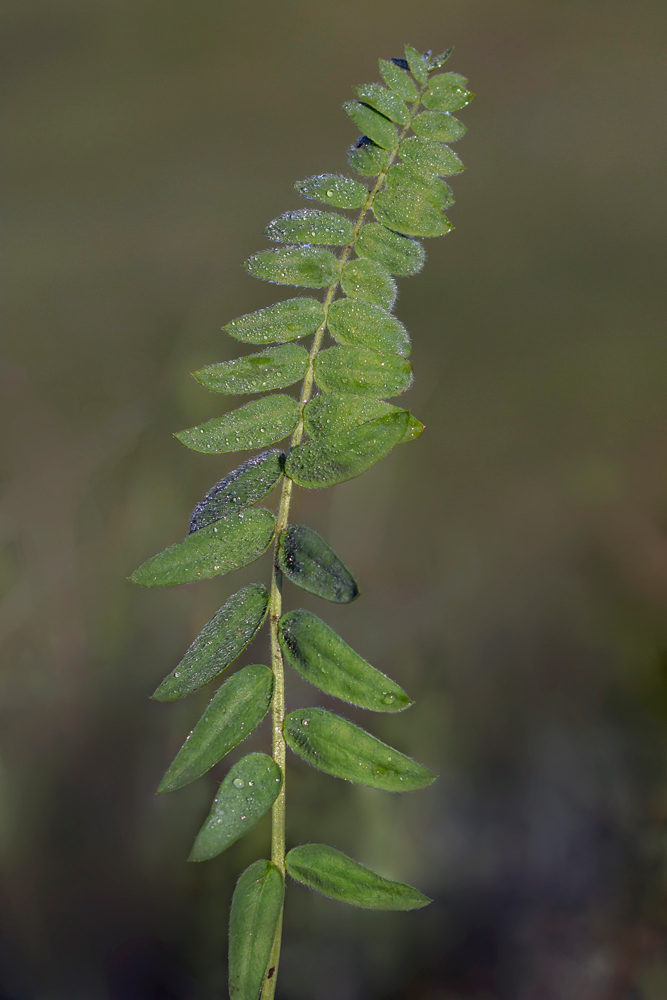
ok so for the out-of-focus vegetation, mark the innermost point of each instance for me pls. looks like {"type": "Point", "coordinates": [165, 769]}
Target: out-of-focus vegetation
{"type": "Point", "coordinates": [522, 603]}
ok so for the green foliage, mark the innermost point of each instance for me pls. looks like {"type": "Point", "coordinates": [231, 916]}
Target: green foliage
{"type": "Point", "coordinates": [336, 434]}
{"type": "Point", "coordinates": [334, 874]}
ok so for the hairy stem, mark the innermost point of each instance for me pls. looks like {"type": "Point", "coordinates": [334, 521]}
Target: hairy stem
{"type": "Point", "coordinates": [275, 603]}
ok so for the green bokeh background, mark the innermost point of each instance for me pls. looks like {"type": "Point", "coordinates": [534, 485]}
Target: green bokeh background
{"type": "Point", "coordinates": [513, 561]}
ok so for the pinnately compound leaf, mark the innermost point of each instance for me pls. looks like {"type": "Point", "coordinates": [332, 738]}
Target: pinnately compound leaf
{"type": "Point", "coordinates": [274, 368]}
{"type": "Point", "coordinates": [338, 457]}
{"type": "Point", "coordinates": [219, 643]}
{"type": "Point", "coordinates": [416, 64]}
{"type": "Point", "coordinates": [362, 371]}
{"type": "Point", "coordinates": [235, 711]}
{"type": "Point", "coordinates": [438, 125]}
{"type": "Point", "coordinates": [411, 215]}
{"type": "Point", "coordinates": [261, 422]}
{"type": "Point", "coordinates": [240, 489]}
{"type": "Point", "coordinates": [398, 80]}
{"type": "Point", "coordinates": [248, 791]}
{"type": "Point", "coordinates": [310, 225]}
{"type": "Point", "coordinates": [362, 324]}
{"type": "Point", "coordinates": [430, 157]}
{"type": "Point", "coordinates": [281, 322]}
{"type": "Point", "coordinates": [213, 551]}
{"type": "Point", "coordinates": [323, 659]}
{"type": "Point", "coordinates": [367, 158]}
{"type": "Point", "coordinates": [335, 875]}
{"type": "Point", "coordinates": [309, 267]}
{"type": "Point", "coordinates": [309, 562]}
{"type": "Point", "coordinates": [369, 281]}
{"type": "Point", "coordinates": [256, 907]}
{"type": "Point", "coordinates": [385, 101]}
{"type": "Point", "coordinates": [333, 189]}
{"type": "Point", "coordinates": [398, 254]}
{"type": "Point", "coordinates": [375, 126]}
{"type": "Point", "coordinates": [342, 749]}
{"type": "Point", "coordinates": [331, 410]}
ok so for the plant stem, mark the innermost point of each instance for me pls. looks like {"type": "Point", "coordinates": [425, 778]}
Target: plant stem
{"type": "Point", "coordinates": [275, 602]}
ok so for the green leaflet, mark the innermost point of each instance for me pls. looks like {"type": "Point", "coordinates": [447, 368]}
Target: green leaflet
{"type": "Point", "coordinates": [240, 489]}
{"type": "Point", "coordinates": [398, 80]}
{"type": "Point", "coordinates": [333, 189]}
{"type": "Point", "coordinates": [410, 214]}
{"type": "Point", "coordinates": [332, 410]}
{"type": "Point", "coordinates": [447, 92]}
{"type": "Point", "coordinates": [219, 643]}
{"type": "Point", "coordinates": [274, 368]}
{"type": "Point", "coordinates": [261, 422]}
{"type": "Point", "coordinates": [323, 659]}
{"type": "Point", "coordinates": [335, 875]}
{"type": "Point", "coordinates": [416, 64]}
{"type": "Point", "coordinates": [237, 708]}
{"type": "Point", "coordinates": [438, 125]}
{"type": "Point", "coordinates": [387, 103]}
{"type": "Point", "coordinates": [362, 324]}
{"type": "Point", "coordinates": [375, 126]}
{"type": "Point", "coordinates": [342, 456]}
{"type": "Point", "coordinates": [256, 908]}
{"type": "Point", "coordinates": [430, 157]}
{"type": "Point", "coordinates": [403, 180]}
{"type": "Point", "coordinates": [309, 267]}
{"type": "Point", "coordinates": [310, 225]}
{"type": "Point", "coordinates": [362, 371]}
{"type": "Point", "coordinates": [437, 61]}
{"type": "Point", "coordinates": [309, 562]}
{"type": "Point", "coordinates": [248, 791]}
{"type": "Point", "coordinates": [367, 159]}
{"type": "Point", "coordinates": [212, 551]}
{"type": "Point", "coordinates": [342, 749]}
{"type": "Point", "coordinates": [283, 321]}
{"type": "Point", "coordinates": [369, 281]}
{"type": "Point", "coordinates": [398, 254]}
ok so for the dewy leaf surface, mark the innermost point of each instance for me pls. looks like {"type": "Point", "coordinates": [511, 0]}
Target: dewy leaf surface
{"type": "Point", "coordinates": [398, 254]}
{"type": "Point", "coordinates": [281, 322]}
{"type": "Point", "coordinates": [274, 368]}
{"type": "Point", "coordinates": [336, 875]}
{"type": "Point", "coordinates": [240, 489]}
{"type": "Point", "coordinates": [261, 422]}
{"type": "Point", "coordinates": [247, 793]}
{"type": "Point", "coordinates": [447, 92]}
{"type": "Point", "coordinates": [310, 225]}
{"type": "Point", "coordinates": [410, 214]}
{"type": "Point", "coordinates": [339, 457]}
{"type": "Point", "coordinates": [331, 410]}
{"type": "Point", "coordinates": [375, 126]}
{"type": "Point", "coordinates": [309, 267]}
{"type": "Point", "coordinates": [366, 158]}
{"type": "Point", "coordinates": [369, 281]}
{"type": "Point", "coordinates": [416, 64]}
{"type": "Point", "coordinates": [385, 101]}
{"type": "Point", "coordinates": [222, 547]}
{"type": "Point", "coordinates": [398, 80]}
{"type": "Point", "coordinates": [256, 907]}
{"type": "Point", "coordinates": [333, 189]}
{"type": "Point", "coordinates": [430, 157]}
{"type": "Point", "coordinates": [323, 659]}
{"type": "Point", "coordinates": [219, 643]}
{"type": "Point", "coordinates": [362, 324]}
{"type": "Point", "coordinates": [438, 125]}
{"type": "Point", "coordinates": [362, 371]}
{"type": "Point", "coordinates": [309, 562]}
{"type": "Point", "coordinates": [234, 712]}
{"type": "Point", "coordinates": [403, 180]}
{"type": "Point", "coordinates": [342, 749]}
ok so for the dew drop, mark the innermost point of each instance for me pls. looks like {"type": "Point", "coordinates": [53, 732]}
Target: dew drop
{"type": "Point", "coordinates": [237, 783]}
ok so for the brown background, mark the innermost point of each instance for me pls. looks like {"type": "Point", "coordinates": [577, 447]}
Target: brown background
{"type": "Point", "coordinates": [513, 561]}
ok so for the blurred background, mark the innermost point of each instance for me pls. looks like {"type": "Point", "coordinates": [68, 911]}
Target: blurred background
{"type": "Point", "coordinates": [513, 561]}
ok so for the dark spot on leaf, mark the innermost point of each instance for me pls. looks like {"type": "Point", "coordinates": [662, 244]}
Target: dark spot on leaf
{"type": "Point", "coordinates": [270, 972]}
